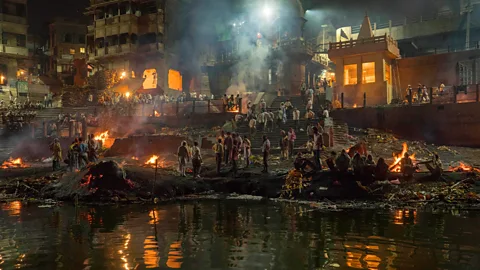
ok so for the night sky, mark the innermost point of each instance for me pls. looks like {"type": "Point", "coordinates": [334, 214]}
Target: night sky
{"type": "Point", "coordinates": [41, 12]}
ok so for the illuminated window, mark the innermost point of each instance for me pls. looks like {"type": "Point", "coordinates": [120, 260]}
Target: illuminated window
{"type": "Point", "coordinates": [150, 79]}
{"type": "Point", "coordinates": [368, 72]}
{"type": "Point", "coordinates": [174, 80]}
{"type": "Point", "coordinates": [82, 50]}
{"type": "Point", "coordinates": [72, 51]}
{"type": "Point", "coordinates": [388, 73]}
{"type": "Point", "coordinates": [350, 72]}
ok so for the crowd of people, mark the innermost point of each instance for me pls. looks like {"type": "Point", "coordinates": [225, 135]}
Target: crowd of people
{"type": "Point", "coordinates": [17, 120]}
{"type": "Point", "coordinates": [80, 153]}
{"type": "Point", "coordinates": [422, 93]}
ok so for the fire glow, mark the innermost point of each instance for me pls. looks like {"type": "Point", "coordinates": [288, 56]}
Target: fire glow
{"type": "Point", "coordinates": [462, 167]}
{"type": "Point", "coordinates": [153, 159]}
{"type": "Point", "coordinates": [13, 163]}
{"type": "Point", "coordinates": [397, 158]}
{"type": "Point", "coordinates": [104, 137]}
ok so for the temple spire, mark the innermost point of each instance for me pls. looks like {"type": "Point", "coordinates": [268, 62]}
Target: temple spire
{"type": "Point", "coordinates": [366, 28]}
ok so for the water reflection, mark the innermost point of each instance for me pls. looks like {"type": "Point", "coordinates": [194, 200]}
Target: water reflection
{"type": "Point", "coordinates": [234, 235]}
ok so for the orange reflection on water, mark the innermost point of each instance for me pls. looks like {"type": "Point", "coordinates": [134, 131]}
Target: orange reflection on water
{"type": "Point", "coordinates": [14, 208]}
{"type": "Point", "coordinates": [353, 260]}
{"type": "Point", "coordinates": [175, 256]}
{"type": "Point", "coordinates": [156, 216]}
{"type": "Point", "coordinates": [151, 256]}
{"type": "Point", "coordinates": [372, 261]}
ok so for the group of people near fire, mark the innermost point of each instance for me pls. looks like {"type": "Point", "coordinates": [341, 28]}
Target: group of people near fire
{"type": "Point", "coordinates": [80, 153]}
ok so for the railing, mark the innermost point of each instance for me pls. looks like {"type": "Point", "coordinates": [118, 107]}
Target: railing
{"type": "Point", "coordinates": [14, 50]}
{"type": "Point", "coordinates": [434, 95]}
{"type": "Point", "coordinates": [405, 21]}
{"type": "Point", "coordinates": [177, 108]}
{"type": "Point", "coordinates": [447, 48]}
{"type": "Point", "coordinates": [13, 19]}
{"type": "Point", "coordinates": [353, 43]}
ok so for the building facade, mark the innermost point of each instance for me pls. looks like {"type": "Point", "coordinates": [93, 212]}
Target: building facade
{"type": "Point", "coordinates": [13, 47]}
{"type": "Point", "coordinates": [67, 43]}
{"type": "Point", "coordinates": [127, 36]}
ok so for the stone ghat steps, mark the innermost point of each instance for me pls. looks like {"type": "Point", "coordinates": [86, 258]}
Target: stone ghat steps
{"type": "Point", "coordinates": [52, 113]}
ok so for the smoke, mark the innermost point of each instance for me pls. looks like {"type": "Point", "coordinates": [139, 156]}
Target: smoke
{"type": "Point", "coordinates": [252, 54]}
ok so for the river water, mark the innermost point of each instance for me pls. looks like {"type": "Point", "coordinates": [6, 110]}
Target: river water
{"type": "Point", "coordinates": [234, 235]}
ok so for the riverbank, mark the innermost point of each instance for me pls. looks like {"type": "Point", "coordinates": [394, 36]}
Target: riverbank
{"type": "Point", "coordinates": [118, 180]}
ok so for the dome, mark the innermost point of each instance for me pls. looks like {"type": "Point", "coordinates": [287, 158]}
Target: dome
{"type": "Point", "coordinates": [296, 7]}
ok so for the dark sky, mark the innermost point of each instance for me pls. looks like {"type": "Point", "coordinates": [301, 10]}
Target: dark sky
{"type": "Point", "coordinates": [40, 12]}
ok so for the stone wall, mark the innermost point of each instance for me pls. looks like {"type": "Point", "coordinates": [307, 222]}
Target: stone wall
{"type": "Point", "coordinates": [447, 124]}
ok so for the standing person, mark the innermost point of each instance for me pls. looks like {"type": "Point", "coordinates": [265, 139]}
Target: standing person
{"type": "Point", "coordinates": [291, 142]}
{"type": "Point", "coordinates": [310, 94]}
{"type": "Point", "coordinates": [237, 102]}
{"type": "Point", "coordinates": [261, 120]}
{"type": "Point", "coordinates": [288, 107]}
{"type": "Point", "coordinates": [183, 158]}
{"type": "Point", "coordinates": [73, 155]}
{"type": "Point", "coordinates": [53, 129]}
{"type": "Point", "coordinates": [92, 149]}
{"type": "Point", "coordinates": [318, 146]}
{"type": "Point", "coordinates": [253, 127]}
{"type": "Point", "coordinates": [196, 160]}
{"type": "Point", "coordinates": [227, 145]}
{"type": "Point", "coordinates": [441, 88]}
{"type": "Point", "coordinates": [309, 106]}
{"type": "Point", "coordinates": [225, 102]}
{"type": "Point", "coordinates": [218, 149]}
{"type": "Point", "coordinates": [235, 152]}
{"type": "Point", "coordinates": [283, 145]}
{"type": "Point", "coordinates": [310, 115]}
{"type": "Point", "coordinates": [57, 154]}
{"type": "Point", "coordinates": [82, 153]}
{"type": "Point", "coordinates": [265, 152]}
{"type": "Point", "coordinates": [425, 95]}
{"type": "Point", "coordinates": [247, 150]}
{"type": "Point", "coordinates": [419, 92]}
{"type": "Point", "coordinates": [296, 117]}
{"type": "Point", "coordinates": [45, 100]}
{"type": "Point", "coordinates": [310, 131]}
{"type": "Point", "coordinates": [263, 105]}
{"type": "Point", "coordinates": [50, 99]}
{"type": "Point", "coordinates": [279, 117]}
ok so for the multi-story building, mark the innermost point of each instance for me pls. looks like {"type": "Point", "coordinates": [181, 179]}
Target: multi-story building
{"type": "Point", "coordinates": [13, 46]}
{"type": "Point", "coordinates": [127, 36]}
{"type": "Point", "coordinates": [67, 43]}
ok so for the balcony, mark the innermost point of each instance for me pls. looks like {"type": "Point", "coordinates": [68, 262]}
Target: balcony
{"type": "Point", "coordinates": [16, 51]}
{"type": "Point", "coordinates": [13, 19]}
{"type": "Point", "coordinates": [362, 46]}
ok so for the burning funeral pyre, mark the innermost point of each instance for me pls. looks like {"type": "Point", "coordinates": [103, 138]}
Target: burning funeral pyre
{"type": "Point", "coordinates": [13, 163]}
{"type": "Point", "coordinates": [397, 158]}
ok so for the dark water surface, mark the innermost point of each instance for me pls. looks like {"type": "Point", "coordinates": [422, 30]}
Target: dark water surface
{"type": "Point", "coordinates": [234, 235]}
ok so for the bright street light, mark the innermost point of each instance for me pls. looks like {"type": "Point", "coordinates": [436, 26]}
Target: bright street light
{"type": "Point", "coordinates": [267, 12]}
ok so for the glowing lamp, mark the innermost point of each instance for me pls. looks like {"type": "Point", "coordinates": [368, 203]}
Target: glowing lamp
{"type": "Point", "coordinates": [127, 94]}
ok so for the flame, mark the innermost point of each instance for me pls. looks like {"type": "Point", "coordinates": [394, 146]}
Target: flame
{"type": "Point", "coordinates": [397, 158]}
{"type": "Point", "coordinates": [127, 95]}
{"type": "Point", "coordinates": [153, 159]}
{"type": "Point", "coordinates": [462, 167]}
{"type": "Point", "coordinates": [13, 163]}
{"type": "Point", "coordinates": [102, 137]}
{"type": "Point", "coordinates": [135, 158]}
{"type": "Point", "coordinates": [156, 114]}
{"type": "Point", "coordinates": [354, 105]}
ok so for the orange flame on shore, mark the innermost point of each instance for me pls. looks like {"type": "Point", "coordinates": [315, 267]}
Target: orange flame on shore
{"type": "Point", "coordinates": [102, 137]}
{"type": "Point", "coordinates": [397, 158]}
{"type": "Point", "coordinates": [156, 114]}
{"type": "Point", "coordinates": [354, 105]}
{"type": "Point", "coordinates": [13, 163]}
{"type": "Point", "coordinates": [153, 159]}
{"type": "Point", "coordinates": [462, 167]}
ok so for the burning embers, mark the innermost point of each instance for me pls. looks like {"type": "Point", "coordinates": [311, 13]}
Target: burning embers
{"type": "Point", "coordinates": [153, 159]}
{"type": "Point", "coordinates": [397, 158]}
{"type": "Point", "coordinates": [13, 163]}
{"type": "Point", "coordinates": [462, 167]}
{"type": "Point", "coordinates": [157, 161]}
{"type": "Point", "coordinates": [105, 139]}
{"type": "Point", "coordinates": [102, 137]}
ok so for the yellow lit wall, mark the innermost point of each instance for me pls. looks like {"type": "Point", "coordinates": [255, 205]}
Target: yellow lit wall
{"type": "Point", "coordinates": [174, 80]}
{"type": "Point", "coordinates": [350, 72]}
{"type": "Point", "coordinates": [388, 73]}
{"type": "Point", "coordinates": [150, 81]}
{"type": "Point", "coordinates": [368, 72]}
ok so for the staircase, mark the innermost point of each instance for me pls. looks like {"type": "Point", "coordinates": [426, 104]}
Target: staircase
{"type": "Point", "coordinates": [52, 113]}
